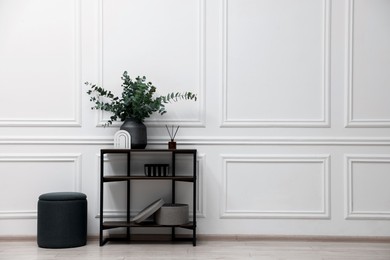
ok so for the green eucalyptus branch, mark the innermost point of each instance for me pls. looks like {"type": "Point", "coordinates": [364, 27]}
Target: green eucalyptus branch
{"type": "Point", "coordinates": [136, 101]}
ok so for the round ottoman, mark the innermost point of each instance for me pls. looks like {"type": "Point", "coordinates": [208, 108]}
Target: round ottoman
{"type": "Point", "coordinates": [62, 220]}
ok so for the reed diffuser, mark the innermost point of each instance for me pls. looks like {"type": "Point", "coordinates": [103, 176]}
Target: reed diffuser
{"type": "Point", "coordinates": [172, 131]}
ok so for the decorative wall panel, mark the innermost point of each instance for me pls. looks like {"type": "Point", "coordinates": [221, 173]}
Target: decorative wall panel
{"type": "Point", "coordinates": [169, 53]}
{"type": "Point", "coordinates": [26, 176]}
{"type": "Point", "coordinates": [368, 64]}
{"type": "Point", "coordinates": [275, 186]}
{"type": "Point", "coordinates": [367, 191]}
{"type": "Point", "coordinates": [275, 63]}
{"type": "Point", "coordinates": [40, 63]}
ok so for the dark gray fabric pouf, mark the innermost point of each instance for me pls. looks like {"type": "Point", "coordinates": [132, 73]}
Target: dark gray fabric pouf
{"type": "Point", "coordinates": [62, 220]}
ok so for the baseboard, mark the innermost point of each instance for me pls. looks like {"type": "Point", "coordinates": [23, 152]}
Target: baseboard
{"type": "Point", "coordinates": [17, 238]}
{"type": "Point", "coordinates": [243, 237]}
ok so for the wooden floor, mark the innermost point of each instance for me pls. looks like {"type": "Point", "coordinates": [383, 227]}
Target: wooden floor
{"type": "Point", "coordinates": [206, 249]}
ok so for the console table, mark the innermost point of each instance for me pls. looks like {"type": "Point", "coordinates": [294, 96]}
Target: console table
{"type": "Point", "coordinates": [174, 177]}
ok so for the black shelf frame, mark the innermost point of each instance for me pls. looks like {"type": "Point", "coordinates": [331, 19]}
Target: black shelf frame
{"type": "Point", "coordinates": [104, 225]}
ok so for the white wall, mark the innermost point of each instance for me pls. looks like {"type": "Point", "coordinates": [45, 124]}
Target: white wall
{"type": "Point", "coordinates": [291, 125]}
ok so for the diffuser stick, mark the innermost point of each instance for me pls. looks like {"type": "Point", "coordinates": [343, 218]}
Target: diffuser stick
{"type": "Point", "coordinates": [172, 133]}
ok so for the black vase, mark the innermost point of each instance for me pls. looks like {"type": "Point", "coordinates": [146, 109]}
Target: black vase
{"type": "Point", "coordinates": [137, 130]}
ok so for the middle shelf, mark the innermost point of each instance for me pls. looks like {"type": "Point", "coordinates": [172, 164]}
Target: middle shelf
{"type": "Point", "coordinates": [126, 178]}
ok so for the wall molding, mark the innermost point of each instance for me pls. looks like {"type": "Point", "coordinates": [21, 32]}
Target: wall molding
{"type": "Point", "coordinates": [229, 140]}
{"type": "Point", "coordinates": [350, 213]}
{"type": "Point", "coordinates": [201, 140]}
{"type": "Point", "coordinates": [324, 121]}
{"type": "Point", "coordinates": [200, 122]}
{"type": "Point", "coordinates": [350, 121]}
{"type": "Point", "coordinates": [56, 140]}
{"type": "Point", "coordinates": [60, 122]}
{"type": "Point", "coordinates": [32, 157]}
{"type": "Point", "coordinates": [281, 158]}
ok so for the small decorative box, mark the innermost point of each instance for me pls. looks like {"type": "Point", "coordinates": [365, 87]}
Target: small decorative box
{"type": "Point", "coordinates": [172, 214]}
{"type": "Point", "coordinates": [156, 170]}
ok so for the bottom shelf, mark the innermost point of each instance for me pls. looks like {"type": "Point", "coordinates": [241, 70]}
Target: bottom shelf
{"type": "Point", "coordinates": [117, 224]}
{"type": "Point", "coordinates": [133, 239]}
{"type": "Point", "coordinates": [173, 237]}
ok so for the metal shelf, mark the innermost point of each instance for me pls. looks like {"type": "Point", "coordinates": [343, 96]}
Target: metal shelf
{"type": "Point", "coordinates": [104, 225]}
{"type": "Point", "coordinates": [126, 178]}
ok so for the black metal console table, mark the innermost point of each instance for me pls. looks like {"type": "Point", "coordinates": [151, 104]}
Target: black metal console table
{"type": "Point", "coordinates": [174, 177]}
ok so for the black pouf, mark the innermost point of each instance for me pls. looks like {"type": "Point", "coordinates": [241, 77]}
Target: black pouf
{"type": "Point", "coordinates": [62, 220]}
